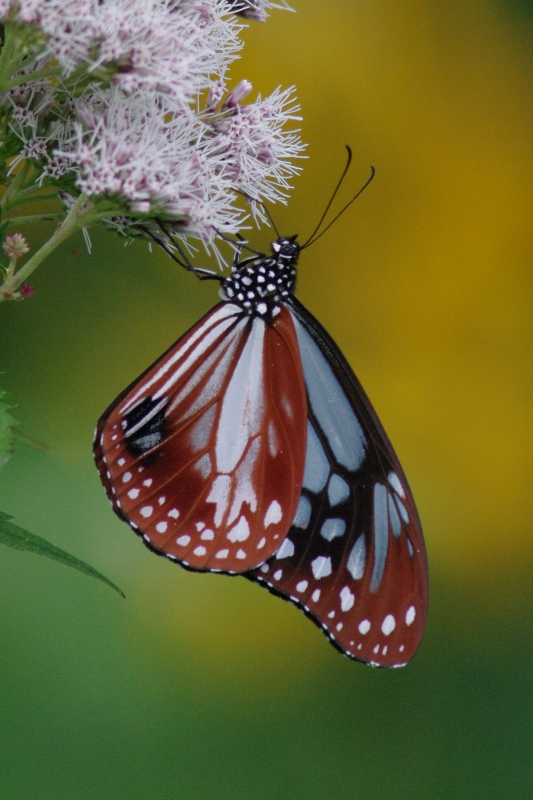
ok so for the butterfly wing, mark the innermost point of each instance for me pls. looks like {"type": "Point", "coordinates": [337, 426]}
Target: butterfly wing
{"type": "Point", "coordinates": [203, 455]}
{"type": "Point", "coordinates": [354, 559]}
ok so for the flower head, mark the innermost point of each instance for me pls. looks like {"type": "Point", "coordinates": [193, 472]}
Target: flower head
{"type": "Point", "coordinates": [125, 121]}
{"type": "Point", "coordinates": [16, 246]}
{"type": "Point", "coordinates": [26, 290]}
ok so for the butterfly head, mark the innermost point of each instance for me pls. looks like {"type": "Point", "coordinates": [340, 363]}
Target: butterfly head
{"type": "Point", "coordinates": [259, 284]}
{"type": "Point", "coordinates": [286, 249]}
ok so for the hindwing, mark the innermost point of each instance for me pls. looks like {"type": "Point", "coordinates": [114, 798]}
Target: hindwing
{"type": "Point", "coordinates": [354, 558]}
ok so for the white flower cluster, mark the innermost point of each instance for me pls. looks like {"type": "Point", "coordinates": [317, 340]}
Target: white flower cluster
{"type": "Point", "coordinates": [255, 9]}
{"type": "Point", "coordinates": [124, 122]}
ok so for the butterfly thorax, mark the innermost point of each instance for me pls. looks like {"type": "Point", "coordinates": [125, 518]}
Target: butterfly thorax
{"type": "Point", "coordinates": [258, 285]}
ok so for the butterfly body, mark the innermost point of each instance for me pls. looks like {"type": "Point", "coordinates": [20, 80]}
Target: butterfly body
{"type": "Point", "coordinates": [251, 448]}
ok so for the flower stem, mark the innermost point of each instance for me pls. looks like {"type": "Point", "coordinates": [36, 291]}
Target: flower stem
{"type": "Point", "coordinates": [81, 214]}
{"type": "Point", "coordinates": [30, 218]}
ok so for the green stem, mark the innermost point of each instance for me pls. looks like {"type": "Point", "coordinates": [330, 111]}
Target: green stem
{"type": "Point", "coordinates": [33, 198]}
{"type": "Point", "coordinates": [77, 217]}
{"type": "Point", "coordinates": [30, 218]}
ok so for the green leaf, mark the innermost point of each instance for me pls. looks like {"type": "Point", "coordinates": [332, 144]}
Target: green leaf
{"type": "Point", "coordinates": [19, 539]}
{"type": "Point", "coordinates": [7, 430]}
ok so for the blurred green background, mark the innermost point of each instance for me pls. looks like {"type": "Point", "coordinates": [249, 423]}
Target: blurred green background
{"type": "Point", "coordinates": [200, 686]}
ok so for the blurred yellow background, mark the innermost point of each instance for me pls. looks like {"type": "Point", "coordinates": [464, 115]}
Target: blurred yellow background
{"type": "Point", "coordinates": [199, 686]}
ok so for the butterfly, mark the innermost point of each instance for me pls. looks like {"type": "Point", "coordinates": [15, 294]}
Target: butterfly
{"type": "Point", "coordinates": [250, 448]}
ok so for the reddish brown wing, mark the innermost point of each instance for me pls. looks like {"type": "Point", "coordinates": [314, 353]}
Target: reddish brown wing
{"type": "Point", "coordinates": [204, 454]}
{"type": "Point", "coordinates": [354, 559]}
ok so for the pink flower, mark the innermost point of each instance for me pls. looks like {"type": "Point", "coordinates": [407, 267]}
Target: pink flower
{"type": "Point", "coordinates": [16, 246]}
{"type": "Point", "coordinates": [26, 290]}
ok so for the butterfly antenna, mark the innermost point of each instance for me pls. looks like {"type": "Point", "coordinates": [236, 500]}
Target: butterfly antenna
{"type": "Point", "coordinates": [336, 217]}
{"type": "Point", "coordinates": [333, 196]}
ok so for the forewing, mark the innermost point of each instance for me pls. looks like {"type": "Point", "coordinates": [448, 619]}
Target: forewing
{"type": "Point", "coordinates": [204, 454]}
{"type": "Point", "coordinates": [354, 559]}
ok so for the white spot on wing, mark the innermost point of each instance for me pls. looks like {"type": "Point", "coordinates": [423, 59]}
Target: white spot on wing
{"type": "Point", "coordinates": [321, 567]}
{"type": "Point", "coordinates": [364, 626]}
{"type": "Point", "coordinates": [146, 511]}
{"type": "Point", "coordinates": [183, 541]}
{"type": "Point", "coordinates": [286, 549]}
{"type": "Point", "coordinates": [388, 625]}
{"type": "Point", "coordinates": [133, 493]}
{"type": "Point", "coordinates": [261, 543]}
{"type": "Point", "coordinates": [161, 527]}
{"type": "Point", "coordinates": [199, 551]}
{"type": "Point", "coordinates": [332, 528]}
{"type": "Point", "coordinates": [278, 574]}
{"type": "Point", "coordinates": [338, 490]}
{"type": "Point", "coordinates": [273, 514]}
{"type": "Point", "coordinates": [174, 513]}
{"type": "Point", "coordinates": [222, 554]}
{"type": "Point", "coordinates": [240, 554]}
{"type": "Point", "coordinates": [315, 597]}
{"type": "Point", "coordinates": [303, 513]}
{"type": "Point", "coordinates": [240, 532]}
{"type": "Point", "coordinates": [356, 560]}
{"type": "Point", "coordinates": [127, 477]}
{"type": "Point", "coordinates": [347, 599]}
{"type": "Point", "coordinates": [394, 481]}
{"type": "Point", "coordinates": [208, 535]}
{"type": "Point", "coordinates": [410, 615]}
{"type": "Point", "coordinates": [302, 586]}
